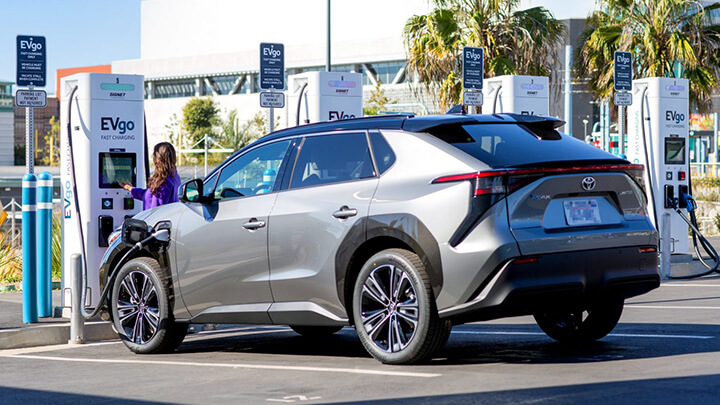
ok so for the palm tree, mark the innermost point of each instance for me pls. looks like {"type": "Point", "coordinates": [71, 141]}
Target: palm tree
{"type": "Point", "coordinates": [669, 38]}
{"type": "Point", "coordinates": [514, 42]}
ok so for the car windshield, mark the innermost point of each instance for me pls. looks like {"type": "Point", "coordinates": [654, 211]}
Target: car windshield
{"type": "Point", "coordinates": [514, 145]}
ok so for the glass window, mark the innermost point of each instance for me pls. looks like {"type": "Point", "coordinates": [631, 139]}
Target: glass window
{"type": "Point", "coordinates": [510, 145]}
{"type": "Point", "coordinates": [331, 159]}
{"type": "Point", "coordinates": [252, 173]}
{"type": "Point", "coordinates": [384, 156]}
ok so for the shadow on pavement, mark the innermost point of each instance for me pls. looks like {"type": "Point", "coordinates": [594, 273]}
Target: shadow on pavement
{"type": "Point", "coordinates": [11, 395]}
{"type": "Point", "coordinates": [699, 390]}
{"type": "Point", "coordinates": [489, 344]}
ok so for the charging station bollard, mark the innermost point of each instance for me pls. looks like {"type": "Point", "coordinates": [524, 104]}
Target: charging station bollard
{"type": "Point", "coordinates": [665, 244]}
{"type": "Point", "coordinates": [44, 245]}
{"type": "Point", "coordinates": [77, 321]}
{"type": "Point", "coordinates": [29, 260]}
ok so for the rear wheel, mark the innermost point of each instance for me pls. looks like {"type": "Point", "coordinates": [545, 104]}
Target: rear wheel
{"type": "Point", "coordinates": [140, 305]}
{"type": "Point", "coordinates": [315, 331]}
{"type": "Point", "coordinates": [581, 326]}
{"type": "Point", "coordinates": [394, 309]}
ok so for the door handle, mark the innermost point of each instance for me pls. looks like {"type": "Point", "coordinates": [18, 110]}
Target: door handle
{"type": "Point", "coordinates": [345, 212]}
{"type": "Point", "coordinates": [253, 224]}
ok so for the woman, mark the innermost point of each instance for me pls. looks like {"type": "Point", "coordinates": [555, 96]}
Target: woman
{"type": "Point", "coordinates": [163, 185]}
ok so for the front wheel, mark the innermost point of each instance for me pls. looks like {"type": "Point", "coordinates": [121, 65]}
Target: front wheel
{"type": "Point", "coordinates": [140, 305]}
{"type": "Point", "coordinates": [581, 326]}
{"type": "Point", "coordinates": [394, 309]}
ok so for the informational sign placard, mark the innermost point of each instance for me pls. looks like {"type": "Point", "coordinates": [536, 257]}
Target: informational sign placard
{"type": "Point", "coordinates": [472, 68]}
{"type": "Point", "coordinates": [30, 98]}
{"type": "Point", "coordinates": [272, 66]}
{"type": "Point", "coordinates": [622, 99]}
{"type": "Point", "coordinates": [474, 98]}
{"type": "Point", "coordinates": [623, 74]}
{"type": "Point", "coordinates": [31, 61]}
{"type": "Point", "coordinates": [272, 99]}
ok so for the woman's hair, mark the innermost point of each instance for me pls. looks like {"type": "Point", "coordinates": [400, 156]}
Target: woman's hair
{"type": "Point", "coordinates": [164, 158]}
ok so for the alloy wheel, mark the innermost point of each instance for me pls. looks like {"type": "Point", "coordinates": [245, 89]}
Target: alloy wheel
{"type": "Point", "coordinates": [138, 307]}
{"type": "Point", "coordinates": [389, 308]}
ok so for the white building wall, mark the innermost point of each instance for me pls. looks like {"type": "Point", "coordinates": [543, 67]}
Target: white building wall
{"type": "Point", "coordinates": [7, 151]}
{"type": "Point", "coordinates": [176, 28]}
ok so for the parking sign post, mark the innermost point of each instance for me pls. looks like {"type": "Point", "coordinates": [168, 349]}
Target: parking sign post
{"type": "Point", "coordinates": [622, 84]}
{"type": "Point", "coordinates": [272, 73]}
{"type": "Point", "coordinates": [472, 75]}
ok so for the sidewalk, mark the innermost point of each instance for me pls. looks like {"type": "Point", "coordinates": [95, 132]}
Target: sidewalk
{"type": "Point", "coordinates": [48, 331]}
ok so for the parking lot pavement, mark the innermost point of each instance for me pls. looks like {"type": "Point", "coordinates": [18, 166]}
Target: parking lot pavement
{"type": "Point", "coordinates": [665, 350]}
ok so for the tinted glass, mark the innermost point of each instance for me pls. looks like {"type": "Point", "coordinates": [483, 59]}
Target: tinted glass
{"type": "Point", "coordinates": [509, 145]}
{"type": "Point", "coordinates": [252, 173]}
{"type": "Point", "coordinates": [331, 159]}
{"type": "Point", "coordinates": [384, 156]}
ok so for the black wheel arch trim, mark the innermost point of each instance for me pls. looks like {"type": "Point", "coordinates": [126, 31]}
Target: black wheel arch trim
{"type": "Point", "coordinates": [404, 228]}
{"type": "Point", "coordinates": [118, 249]}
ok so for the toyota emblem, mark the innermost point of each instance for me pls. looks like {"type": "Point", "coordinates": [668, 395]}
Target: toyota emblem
{"type": "Point", "coordinates": [588, 183]}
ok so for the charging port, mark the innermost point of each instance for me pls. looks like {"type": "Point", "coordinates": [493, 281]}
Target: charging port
{"type": "Point", "coordinates": [669, 196]}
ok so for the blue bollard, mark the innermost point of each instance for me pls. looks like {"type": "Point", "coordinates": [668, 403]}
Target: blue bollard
{"type": "Point", "coordinates": [29, 265]}
{"type": "Point", "coordinates": [44, 245]}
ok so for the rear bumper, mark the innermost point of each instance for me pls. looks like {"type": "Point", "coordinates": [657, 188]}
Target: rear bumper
{"type": "Point", "coordinates": [559, 280]}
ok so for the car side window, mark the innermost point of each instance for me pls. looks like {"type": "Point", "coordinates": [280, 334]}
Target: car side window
{"type": "Point", "coordinates": [333, 158]}
{"type": "Point", "coordinates": [252, 173]}
{"type": "Point", "coordinates": [384, 156]}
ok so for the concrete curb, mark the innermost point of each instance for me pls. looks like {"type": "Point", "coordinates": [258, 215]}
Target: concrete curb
{"type": "Point", "coordinates": [52, 335]}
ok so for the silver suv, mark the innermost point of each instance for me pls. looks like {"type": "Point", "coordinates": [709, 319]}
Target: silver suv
{"type": "Point", "coordinates": [400, 226]}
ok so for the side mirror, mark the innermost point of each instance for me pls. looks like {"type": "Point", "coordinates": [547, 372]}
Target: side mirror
{"type": "Point", "coordinates": [134, 231]}
{"type": "Point", "coordinates": [191, 191]}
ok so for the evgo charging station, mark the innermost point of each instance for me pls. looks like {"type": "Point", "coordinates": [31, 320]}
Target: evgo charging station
{"type": "Point", "coordinates": [658, 138]}
{"type": "Point", "coordinates": [102, 142]}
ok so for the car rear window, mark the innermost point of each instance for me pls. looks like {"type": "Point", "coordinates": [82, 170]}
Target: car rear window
{"type": "Point", "coordinates": [513, 145]}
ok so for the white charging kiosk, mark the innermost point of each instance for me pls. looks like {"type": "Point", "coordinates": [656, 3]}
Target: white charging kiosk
{"type": "Point", "coordinates": [324, 96]}
{"type": "Point", "coordinates": [528, 95]}
{"type": "Point", "coordinates": [665, 137]}
{"type": "Point", "coordinates": [108, 146]}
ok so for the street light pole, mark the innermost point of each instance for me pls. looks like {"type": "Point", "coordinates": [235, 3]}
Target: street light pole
{"type": "Point", "coordinates": [327, 46]}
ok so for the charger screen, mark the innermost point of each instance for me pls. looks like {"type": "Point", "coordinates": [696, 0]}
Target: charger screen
{"type": "Point", "coordinates": [117, 167]}
{"type": "Point", "coordinates": [674, 151]}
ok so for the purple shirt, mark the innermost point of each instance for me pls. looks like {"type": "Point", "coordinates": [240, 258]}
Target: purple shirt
{"type": "Point", "coordinates": [166, 193]}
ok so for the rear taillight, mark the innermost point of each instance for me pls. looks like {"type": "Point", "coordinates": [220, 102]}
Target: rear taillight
{"type": "Point", "coordinates": [484, 183]}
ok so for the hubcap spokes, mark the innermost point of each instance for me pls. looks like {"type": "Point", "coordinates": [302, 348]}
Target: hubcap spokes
{"type": "Point", "coordinates": [389, 308]}
{"type": "Point", "coordinates": [138, 308]}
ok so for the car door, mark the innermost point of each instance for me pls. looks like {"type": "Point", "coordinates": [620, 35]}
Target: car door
{"type": "Point", "coordinates": [330, 189]}
{"type": "Point", "coordinates": [221, 250]}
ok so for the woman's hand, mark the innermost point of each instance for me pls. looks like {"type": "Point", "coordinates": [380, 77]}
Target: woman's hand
{"type": "Point", "coordinates": [124, 184]}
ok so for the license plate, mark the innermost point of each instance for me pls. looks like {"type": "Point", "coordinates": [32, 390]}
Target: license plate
{"type": "Point", "coordinates": [581, 212]}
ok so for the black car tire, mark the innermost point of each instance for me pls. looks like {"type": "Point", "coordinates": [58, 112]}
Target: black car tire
{"type": "Point", "coordinates": [581, 326]}
{"type": "Point", "coordinates": [383, 322]}
{"type": "Point", "coordinates": [143, 317]}
{"type": "Point", "coordinates": [315, 331]}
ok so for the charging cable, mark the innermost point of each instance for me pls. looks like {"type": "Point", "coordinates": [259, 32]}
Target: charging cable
{"type": "Point", "coordinates": [696, 235]}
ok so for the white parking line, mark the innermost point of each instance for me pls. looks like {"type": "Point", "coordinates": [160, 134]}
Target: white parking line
{"type": "Point", "coordinates": [51, 348]}
{"type": "Point", "coordinates": [667, 307]}
{"type": "Point", "coordinates": [234, 366]}
{"type": "Point", "coordinates": [692, 285]}
{"type": "Point", "coordinates": [631, 335]}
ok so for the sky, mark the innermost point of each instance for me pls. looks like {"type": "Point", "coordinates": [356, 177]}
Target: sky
{"type": "Point", "coordinates": [97, 32]}
{"type": "Point", "coordinates": [77, 32]}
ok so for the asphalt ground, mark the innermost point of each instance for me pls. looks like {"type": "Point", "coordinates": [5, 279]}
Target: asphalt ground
{"type": "Point", "coordinates": [666, 349]}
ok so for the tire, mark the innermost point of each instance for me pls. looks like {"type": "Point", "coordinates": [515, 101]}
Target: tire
{"type": "Point", "coordinates": [397, 321]}
{"type": "Point", "coordinates": [315, 331]}
{"type": "Point", "coordinates": [581, 326]}
{"type": "Point", "coordinates": [141, 308]}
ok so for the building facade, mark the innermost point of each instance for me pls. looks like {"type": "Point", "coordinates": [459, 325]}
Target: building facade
{"type": "Point", "coordinates": [7, 151]}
